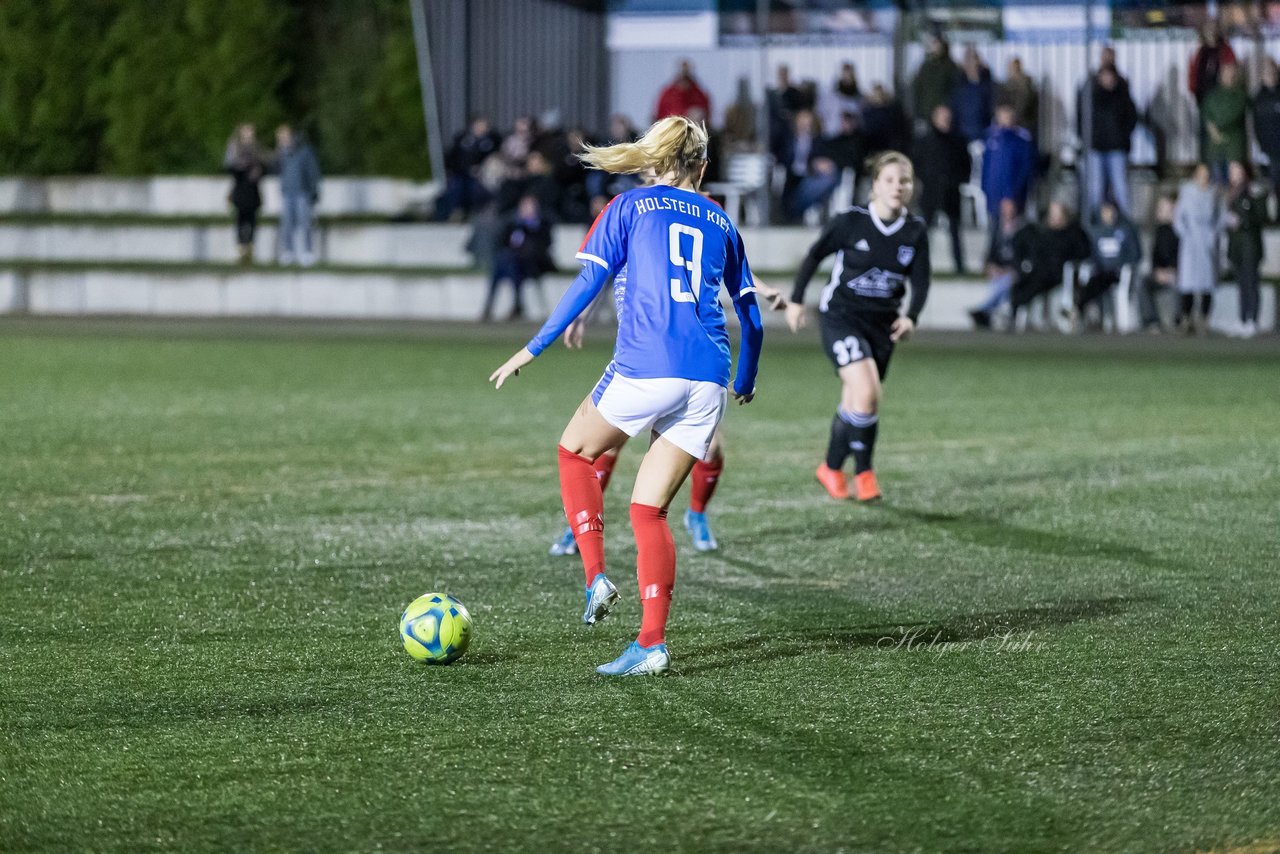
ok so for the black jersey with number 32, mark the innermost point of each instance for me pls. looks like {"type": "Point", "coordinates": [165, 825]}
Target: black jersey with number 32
{"type": "Point", "coordinates": [874, 262]}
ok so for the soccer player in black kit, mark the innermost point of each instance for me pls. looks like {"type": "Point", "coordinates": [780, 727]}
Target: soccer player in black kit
{"type": "Point", "coordinates": [878, 249]}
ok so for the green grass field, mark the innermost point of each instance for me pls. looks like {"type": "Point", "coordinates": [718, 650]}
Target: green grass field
{"type": "Point", "coordinates": [1059, 632]}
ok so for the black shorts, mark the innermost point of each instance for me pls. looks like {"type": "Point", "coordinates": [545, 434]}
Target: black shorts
{"type": "Point", "coordinates": [849, 338]}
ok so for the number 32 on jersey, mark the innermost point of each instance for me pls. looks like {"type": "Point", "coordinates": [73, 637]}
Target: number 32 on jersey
{"type": "Point", "coordinates": [691, 262]}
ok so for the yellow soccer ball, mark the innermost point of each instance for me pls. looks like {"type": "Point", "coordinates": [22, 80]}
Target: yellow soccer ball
{"type": "Point", "coordinates": [435, 628]}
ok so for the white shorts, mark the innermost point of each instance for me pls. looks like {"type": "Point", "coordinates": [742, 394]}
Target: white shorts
{"type": "Point", "coordinates": [684, 412]}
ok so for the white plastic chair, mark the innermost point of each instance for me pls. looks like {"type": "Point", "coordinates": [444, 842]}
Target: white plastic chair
{"type": "Point", "coordinates": [747, 175]}
{"type": "Point", "coordinates": [971, 191]}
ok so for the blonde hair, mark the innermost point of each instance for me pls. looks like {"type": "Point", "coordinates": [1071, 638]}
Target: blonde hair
{"type": "Point", "coordinates": [674, 145]}
{"type": "Point", "coordinates": [877, 163]}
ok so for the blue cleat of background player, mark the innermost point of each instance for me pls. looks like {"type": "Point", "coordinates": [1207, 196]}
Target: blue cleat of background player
{"type": "Point", "coordinates": [565, 544]}
{"type": "Point", "coordinates": [703, 539]}
{"type": "Point", "coordinates": [637, 660]}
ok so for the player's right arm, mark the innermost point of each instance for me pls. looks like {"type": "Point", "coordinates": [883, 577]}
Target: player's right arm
{"type": "Point", "coordinates": [603, 252]}
{"type": "Point", "coordinates": [826, 244]}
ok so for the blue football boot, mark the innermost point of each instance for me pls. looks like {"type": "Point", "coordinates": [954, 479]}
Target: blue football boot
{"type": "Point", "coordinates": [565, 545]}
{"type": "Point", "coordinates": [703, 539]}
{"type": "Point", "coordinates": [601, 596]}
{"type": "Point", "coordinates": [637, 660]}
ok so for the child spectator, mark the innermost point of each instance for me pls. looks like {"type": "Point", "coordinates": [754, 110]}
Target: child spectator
{"type": "Point", "coordinates": [1114, 243]}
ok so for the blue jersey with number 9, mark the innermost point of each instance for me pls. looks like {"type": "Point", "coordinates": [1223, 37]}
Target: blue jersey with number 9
{"type": "Point", "coordinates": [677, 248]}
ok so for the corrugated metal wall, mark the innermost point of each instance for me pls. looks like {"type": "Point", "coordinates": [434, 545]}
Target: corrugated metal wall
{"type": "Point", "coordinates": [1156, 67]}
{"type": "Point", "coordinates": [505, 59]}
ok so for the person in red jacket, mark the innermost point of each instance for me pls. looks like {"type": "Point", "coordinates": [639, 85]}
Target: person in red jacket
{"type": "Point", "coordinates": [1213, 53]}
{"type": "Point", "coordinates": [682, 95]}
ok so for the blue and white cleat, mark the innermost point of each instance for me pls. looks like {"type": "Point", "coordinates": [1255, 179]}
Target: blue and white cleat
{"type": "Point", "coordinates": [566, 545]}
{"type": "Point", "coordinates": [601, 596]}
{"type": "Point", "coordinates": [637, 660]}
{"type": "Point", "coordinates": [703, 539]}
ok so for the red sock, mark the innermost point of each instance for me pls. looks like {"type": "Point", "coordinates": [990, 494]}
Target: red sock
{"type": "Point", "coordinates": [604, 469]}
{"type": "Point", "coordinates": [655, 569]}
{"type": "Point", "coordinates": [705, 477]}
{"type": "Point", "coordinates": [584, 508]}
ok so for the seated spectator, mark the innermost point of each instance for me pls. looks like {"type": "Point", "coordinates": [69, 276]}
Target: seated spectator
{"type": "Point", "coordinates": [523, 252]}
{"type": "Point", "coordinates": [972, 96]}
{"type": "Point", "coordinates": [682, 95]}
{"type": "Point", "coordinates": [464, 193]}
{"type": "Point", "coordinates": [515, 148]}
{"type": "Point", "coordinates": [1008, 163]}
{"type": "Point", "coordinates": [1113, 243]}
{"type": "Point", "coordinates": [1002, 263]}
{"type": "Point", "coordinates": [1246, 215]}
{"type": "Point", "coordinates": [1225, 111]}
{"type": "Point", "coordinates": [1164, 266]}
{"type": "Point", "coordinates": [538, 181]}
{"type": "Point", "coordinates": [811, 176]}
{"type": "Point", "coordinates": [943, 165]}
{"type": "Point", "coordinates": [1043, 251]}
{"type": "Point", "coordinates": [1197, 218]}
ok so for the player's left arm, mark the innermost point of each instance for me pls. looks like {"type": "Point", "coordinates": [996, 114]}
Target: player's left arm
{"type": "Point", "coordinates": [920, 275]}
{"type": "Point", "coordinates": [742, 290]}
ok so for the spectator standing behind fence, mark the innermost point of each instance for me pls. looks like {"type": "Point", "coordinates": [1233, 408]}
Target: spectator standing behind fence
{"type": "Point", "coordinates": [1008, 163]}
{"type": "Point", "coordinates": [1246, 215]}
{"type": "Point", "coordinates": [972, 97]}
{"type": "Point", "coordinates": [682, 95]}
{"type": "Point", "coordinates": [739, 131]}
{"type": "Point", "coordinates": [1224, 114]}
{"type": "Point", "coordinates": [1197, 219]}
{"type": "Point", "coordinates": [1164, 265]}
{"type": "Point", "coordinates": [1208, 60]}
{"type": "Point", "coordinates": [1002, 262]}
{"type": "Point", "coordinates": [844, 96]}
{"type": "Point", "coordinates": [935, 80]}
{"type": "Point", "coordinates": [1113, 244]}
{"type": "Point", "coordinates": [464, 193]}
{"type": "Point", "coordinates": [943, 164]}
{"type": "Point", "coordinates": [1111, 122]}
{"type": "Point", "coordinates": [1043, 251]}
{"type": "Point", "coordinates": [246, 162]}
{"type": "Point", "coordinates": [885, 126]}
{"type": "Point", "coordinates": [1266, 121]}
{"type": "Point", "coordinates": [299, 172]}
{"type": "Point", "coordinates": [523, 252]}
{"type": "Point", "coordinates": [1018, 91]}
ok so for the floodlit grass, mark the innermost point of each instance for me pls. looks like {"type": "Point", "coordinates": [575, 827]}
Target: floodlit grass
{"type": "Point", "coordinates": [1059, 631]}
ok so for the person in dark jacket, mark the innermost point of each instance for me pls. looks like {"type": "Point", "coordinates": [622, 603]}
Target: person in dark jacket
{"type": "Point", "coordinates": [936, 79]}
{"type": "Point", "coordinates": [1164, 266]}
{"type": "Point", "coordinates": [1246, 215]}
{"type": "Point", "coordinates": [972, 96]}
{"type": "Point", "coordinates": [1043, 251]}
{"type": "Point", "coordinates": [1206, 63]}
{"type": "Point", "coordinates": [463, 191]}
{"type": "Point", "coordinates": [1266, 120]}
{"type": "Point", "coordinates": [884, 123]}
{"type": "Point", "coordinates": [1114, 243]}
{"type": "Point", "coordinates": [1112, 120]}
{"type": "Point", "coordinates": [299, 172]}
{"type": "Point", "coordinates": [247, 163]}
{"type": "Point", "coordinates": [523, 252]}
{"type": "Point", "coordinates": [943, 164]}
{"type": "Point", "coordinates": [1008, 163]}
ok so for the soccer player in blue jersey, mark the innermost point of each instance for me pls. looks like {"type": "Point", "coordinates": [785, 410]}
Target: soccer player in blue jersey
{"type": "Point", "coordinates": [671, 364]}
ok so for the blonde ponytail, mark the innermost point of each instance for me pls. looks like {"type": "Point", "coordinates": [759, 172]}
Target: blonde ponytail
{"type": "Point", "coordinates": [674, 145]}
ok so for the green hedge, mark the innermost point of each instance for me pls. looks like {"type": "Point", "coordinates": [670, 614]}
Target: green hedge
{"type": "Point", "coordinates": [138, 87]}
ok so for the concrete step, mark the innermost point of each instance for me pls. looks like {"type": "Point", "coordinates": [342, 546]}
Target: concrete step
{"type": "Point", "coordinates": [384, 295]}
